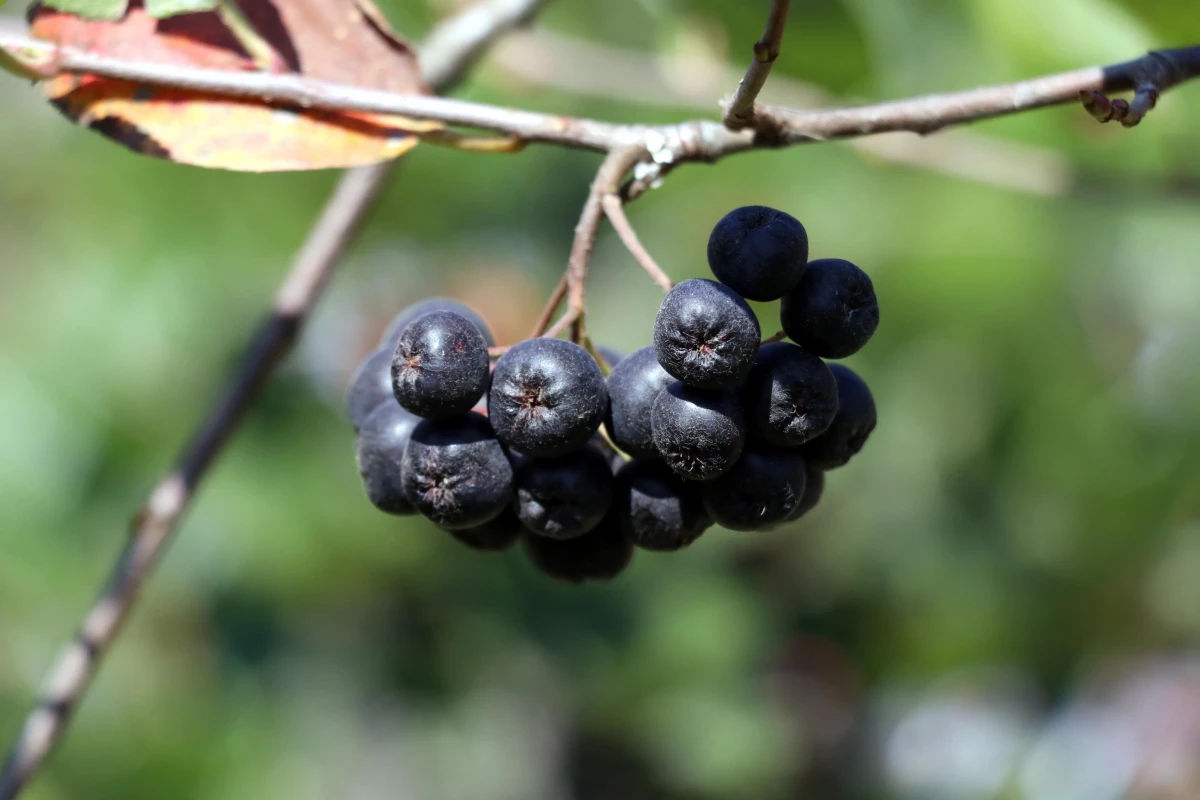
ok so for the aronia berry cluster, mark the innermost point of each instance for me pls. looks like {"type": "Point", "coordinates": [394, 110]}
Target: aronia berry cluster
{"type": "Point", "coordinates": [705, 426]}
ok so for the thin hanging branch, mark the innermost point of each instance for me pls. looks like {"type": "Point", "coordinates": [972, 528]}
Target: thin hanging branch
{"type": "Point", "coordinates": [454, 45]}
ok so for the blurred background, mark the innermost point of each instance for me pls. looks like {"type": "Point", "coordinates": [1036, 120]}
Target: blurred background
{"type": "Point", "coordinates": [999, 598]}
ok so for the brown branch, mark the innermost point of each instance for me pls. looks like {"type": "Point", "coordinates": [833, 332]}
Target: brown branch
{"type": "Point", "coordinates": [739, 112]}
{"type": "Point", "coordinates": [695, 140]}
{"type": "Point", "coordinates": [547, 59]}
{"type": "Point", "coordinates": [1161, 69]}
{"type": "Point", "coordinates": [607, 182]}
{"type": "Point", "coordinates": [556, 298]}
{"type": "Point", "coordinates": [452, 46]}
{"type": "Point", "coordinates": [614, 208]}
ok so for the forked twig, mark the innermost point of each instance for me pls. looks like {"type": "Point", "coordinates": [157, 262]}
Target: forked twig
{"type": "Point", "coordinates": [739, 112]}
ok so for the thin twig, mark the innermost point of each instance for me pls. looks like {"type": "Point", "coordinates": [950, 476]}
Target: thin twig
{"type": "Point", "coordinates": [695, 140]}
{"type": "Point", "coordinates": [607, 182]}
{"type": "Point", "coordinates": [456, 42]}
{"type": "Point", "coordinates": [584, 67]}
{"type": "Point", "coordinates": [556, 298]}
{"type": "Point", "coordinates": [739, 113]}
{"type": "Point", "coordinates": [614, 207]}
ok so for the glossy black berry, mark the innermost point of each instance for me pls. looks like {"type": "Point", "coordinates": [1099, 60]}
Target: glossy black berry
{"type": "Point", "coordinates": [657, 509]}
{"type": "Point", "coordinates": [762, 489]}
{"type": "Point", "coordinates": [391, 336]}
{"type": "Point", "coordinates": [790, 395]}
{"type": "Point", "coordinates": [380, 450]}
{"type": "Point", "coordinates": [851, 426]}
{"type": "Point", "coordinates": [705, 334]}
{"type": "Point", "coordinates": [456, 473]}
{"type": "Point", "coordinates": [698, 433]}
{"type": "Point", "coordinates": [632, 387]}
{"type": "Point", "coordinates": [494, 535]}
{"type": "Point", "coordinates": [547, 397]}
{"type": "Point", "coordinates": [563, 497]}
{"type": "Point", "coordinates": [814, 487]}
{"type": "Point", "coordinates": [832, 312]}
{"type": "Point", "coordinates": [440, 368]}
{"type": "Point", "coordinates": [758, 252]}
{"type": "Point", "coordinates": [370, 386]}
{"type": "Point", "coordinates": [598, 555]}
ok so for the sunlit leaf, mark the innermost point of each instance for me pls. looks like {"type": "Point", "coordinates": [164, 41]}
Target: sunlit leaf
{"type": "Point", "coordinates": [333, 39]}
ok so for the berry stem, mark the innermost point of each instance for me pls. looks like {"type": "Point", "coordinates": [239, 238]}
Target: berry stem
{"type": "Point", "coordinates": [614, 208]}
{"type": "Point", "coordinates": [556, 298]}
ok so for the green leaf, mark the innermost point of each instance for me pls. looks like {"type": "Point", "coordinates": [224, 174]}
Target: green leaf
{"type": "Point", "coordinates": [91, 9]}
{"type": "Point", "coordinates": [167, 8]}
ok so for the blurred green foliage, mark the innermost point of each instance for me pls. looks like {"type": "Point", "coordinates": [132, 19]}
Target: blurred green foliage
{"type": "Point", "coordinates": [1029, 499]}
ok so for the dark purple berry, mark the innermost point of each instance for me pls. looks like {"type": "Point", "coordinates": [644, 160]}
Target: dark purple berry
{"type": "Point", "coordinates": [396, 327]}
{"type": "Point", "coordinates": [379, 451]}
{"type": "Point", "coordinates": [632, 387]}
{"type": "Point", "coordinates": [790, 395]}
{"type": "Point", "coordinates": [758, 252]}
{"type": "Point", "coordinates": [698, 433]}
{"type": "Point", "coordinates": [851, 426]}
{"type": "Point", "coordinates": [563, 497]}
{"type": "Point", "coordinates": [440, 368]}
{"type": "Point", "coordinates": [598, 555]}
{"type": "Point", "coordinates": [705, 334]}
{"type": "Point", "coordinates": [762, 489]}
{"type": "Point", "coordinates": [494, 535]}
{"type": "Point", "coordinates": [814, 487]}
{"type": "Point", "coordinates": [456, 473]}
{"type": "Point", "coordinates": [657, 509]}
{"type": "Point", "coordinates": [547, 397]}
{"type": "Point", "coordinates": [832, 312]}
{"type": "Point", "coordinates": [370, 386]}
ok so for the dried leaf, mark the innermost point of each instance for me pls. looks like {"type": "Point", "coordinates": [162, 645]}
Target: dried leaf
{"type": "Point", "coordinates": [332, 40]}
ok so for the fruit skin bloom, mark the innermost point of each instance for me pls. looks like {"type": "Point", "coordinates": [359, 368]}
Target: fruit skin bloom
{"type": "Point", "coordinates": [396, 327]}
{"type": "Point", "coordinates": [456, 473]}
{"type": "Point", "coordinates": [761, 491]}
{"type": "Point", "coordinates": [379, 451]}
{"type": "Point", "coordinates": [370, 387]}
{"type": "Point", "coordinates": [833, 311]}
{"type": "Point", "coordinates": [698, 433]}
{"type": "Point", "coordinates": [759, 252]}
{"type": "Point", "coordinates": [440, 368]}
{"type": "Point", "coordinates": [851, 426]}
{"type": "Point", "coordinates": [547, 398]}
{"type": "Point", "coordinates": [633, 386]}
{"type": "Point", "coordinates": [566, 496]}
{"type": "Point", "coordinates": [790, 396]}
{"type": "Point", "coordinates": [657, 509]}
{"type": "Point", "coordinates": [705, 335]}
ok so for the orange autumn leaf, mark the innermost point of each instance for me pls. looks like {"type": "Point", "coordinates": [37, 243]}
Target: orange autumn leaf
{"type": "Point", "coordinates": [344, 41]}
